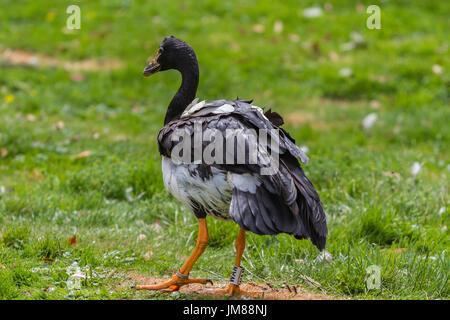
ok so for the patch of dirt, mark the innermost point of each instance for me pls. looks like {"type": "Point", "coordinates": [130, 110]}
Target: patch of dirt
{"type": "Point", "coordinates": [32, 59]}
{"type": "Point", "coordinates": [291, 292]}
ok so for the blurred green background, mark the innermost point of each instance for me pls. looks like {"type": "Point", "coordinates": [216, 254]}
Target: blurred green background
{"type": "Point", "coordinates": [78, 150]}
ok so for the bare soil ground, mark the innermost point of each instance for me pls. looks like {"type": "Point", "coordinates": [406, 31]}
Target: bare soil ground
{"type": "Point", "coordinates": [291, 292]}
{"type": "Point", "coordinates": [33, 59]}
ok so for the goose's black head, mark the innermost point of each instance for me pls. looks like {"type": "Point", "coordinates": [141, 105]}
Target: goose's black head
{"type": "Point", "coordinates": [176, 54]}
{"type": "Point", "coordinates": [173, 53]}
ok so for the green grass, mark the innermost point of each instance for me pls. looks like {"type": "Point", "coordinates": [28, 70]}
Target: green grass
{"type": "Point", "coordinates": [50, 194]}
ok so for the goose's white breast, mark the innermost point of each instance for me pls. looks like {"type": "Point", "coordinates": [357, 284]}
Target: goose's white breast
{"type": "Point", "coordinates": [213, 192]}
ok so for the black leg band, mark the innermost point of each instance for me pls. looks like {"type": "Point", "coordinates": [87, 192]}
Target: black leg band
{"type": "Point", "coordinates": [236, 275]}
{"type": "Point", "coordinates": [182, 275]}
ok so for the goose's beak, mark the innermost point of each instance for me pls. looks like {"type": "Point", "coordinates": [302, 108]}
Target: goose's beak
{"type": "Point", "coordinates": [152, 68]}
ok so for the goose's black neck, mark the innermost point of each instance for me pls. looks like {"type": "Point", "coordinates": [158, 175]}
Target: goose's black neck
{"type": "Point", "coordinates": [187, 91]}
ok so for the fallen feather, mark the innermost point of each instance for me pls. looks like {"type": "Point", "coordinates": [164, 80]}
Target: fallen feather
{"type": "Point", "coordinates": [313, 12]}
{"type": "Point", "coordinates": [369, 120]}
{"type": "Point", "coordinates": [345, 73]}
{"type": "Point", "coordinates": [415, 168]}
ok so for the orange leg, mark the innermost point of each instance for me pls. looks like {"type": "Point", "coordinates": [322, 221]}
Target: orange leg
{"type": "Point", "coordinates": [181, 278]}
{"type": "Point", "coordinates": [232, 289]}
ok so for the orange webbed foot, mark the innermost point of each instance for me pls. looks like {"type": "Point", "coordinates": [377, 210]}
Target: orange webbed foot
{"type": "Point", "coordinates": [173, 284]}
{"type": "Point", "coordinates": [233, 290]}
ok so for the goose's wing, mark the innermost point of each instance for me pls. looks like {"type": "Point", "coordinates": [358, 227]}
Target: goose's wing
{"type": "Point", "coordinates": [233, 115]}
{"type": "Point", "coordinates": [280, 201]}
